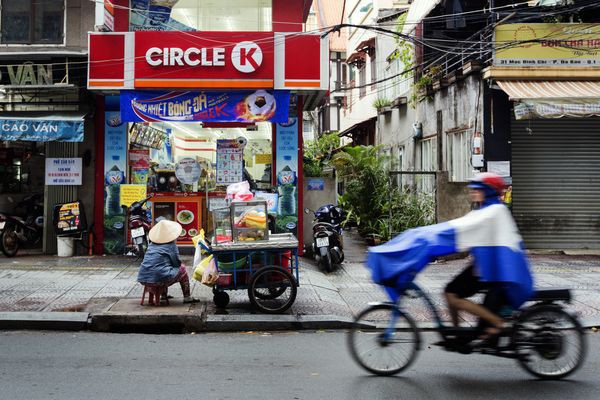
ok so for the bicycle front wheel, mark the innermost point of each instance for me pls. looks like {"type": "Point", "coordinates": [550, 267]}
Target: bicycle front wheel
{"type": "Point", "coordinates": [383, 340]}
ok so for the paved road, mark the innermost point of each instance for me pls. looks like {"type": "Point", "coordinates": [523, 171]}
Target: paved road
{"type": "Point", "coordinates": [309, 365]}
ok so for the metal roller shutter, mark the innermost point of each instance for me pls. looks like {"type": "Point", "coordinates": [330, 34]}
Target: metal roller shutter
{"type": "Point", "coordinates": [556, 182]}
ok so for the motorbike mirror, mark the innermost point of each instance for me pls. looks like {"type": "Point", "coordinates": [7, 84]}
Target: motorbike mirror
{"type": "Point", "coordinates": [307, 211]}
{"type": "Point", "coordinates": [10, 199]}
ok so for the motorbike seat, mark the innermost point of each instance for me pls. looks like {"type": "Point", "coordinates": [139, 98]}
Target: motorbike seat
{"type": "Point", "coordinates": [551, 294]}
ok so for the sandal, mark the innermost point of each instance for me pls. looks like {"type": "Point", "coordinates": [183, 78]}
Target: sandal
{"type": "Point", "coordinates": [187, 300]}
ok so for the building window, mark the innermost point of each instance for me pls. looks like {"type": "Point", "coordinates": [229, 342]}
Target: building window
{"type": "Point", "coordinates": [362, 82]}
{"type": "Point", "coordinates": [373, 60]}
{"type": "Point", "coordinates": [225, 15]}
{"type": "Point", "coordinates": [426, 183]}
{"type": "Point", "coordinates": [429, 154]}
{"type": "Point", "coordinates": [458, 155]}
{"type": "Point", "coordinates": [33, 21]}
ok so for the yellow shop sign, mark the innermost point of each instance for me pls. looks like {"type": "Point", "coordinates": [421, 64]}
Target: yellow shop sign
{"type": "Point", "coordinates": [547, 45]}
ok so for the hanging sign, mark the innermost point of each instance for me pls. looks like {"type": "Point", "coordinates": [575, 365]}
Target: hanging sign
{"type": "Point", "coordinates": [63, 171]}
{"type": "Point", "coordinates": [236, 106]}
{"type": "Point", "coordinates": [41, 130]}
{"type": "Point", "coordinates": [230, 154]}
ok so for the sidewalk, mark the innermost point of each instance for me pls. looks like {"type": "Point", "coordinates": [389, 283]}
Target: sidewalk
{"type": "Point", "coordinates": [102, 293]}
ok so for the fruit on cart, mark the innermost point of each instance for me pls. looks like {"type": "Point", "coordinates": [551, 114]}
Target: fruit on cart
{"type": "Point", "coordinates": [252, 219]}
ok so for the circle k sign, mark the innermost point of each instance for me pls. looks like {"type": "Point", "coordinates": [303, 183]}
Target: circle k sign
{"type": "Point", "coordinates": [246, 57]}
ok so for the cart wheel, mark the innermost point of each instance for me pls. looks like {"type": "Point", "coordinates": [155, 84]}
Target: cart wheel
{"type": "Point", "coordinates": [221, 299]}
{"type": "Point", "coordinates": [272, 290]}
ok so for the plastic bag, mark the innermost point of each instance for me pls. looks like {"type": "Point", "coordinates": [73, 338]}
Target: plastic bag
{"type": "Point", "coordinates": [239, 191]}
{"type": "Point", "coordinates": [201, 247]}
{"type": "Point", "coordinates": [210, 275]}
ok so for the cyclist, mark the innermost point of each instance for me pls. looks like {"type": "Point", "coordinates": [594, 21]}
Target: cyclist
{"type": "Point", "coordinates": [485, 190]}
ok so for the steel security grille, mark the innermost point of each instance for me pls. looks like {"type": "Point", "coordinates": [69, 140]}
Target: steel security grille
{"type": "Point", "coordinates": [556, 182]}
{"type": "Point", "coordinates": [56, 194]}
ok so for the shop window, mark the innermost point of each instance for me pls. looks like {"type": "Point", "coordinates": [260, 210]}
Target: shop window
{"type": "Point", "coordinates": [33, 21]}
{"type": "Point", "coordinates": [22, 167]}
{"type": "Point", "coordinates": [225, 15]}
{"type": "Point", "coordinates": [458, 155]}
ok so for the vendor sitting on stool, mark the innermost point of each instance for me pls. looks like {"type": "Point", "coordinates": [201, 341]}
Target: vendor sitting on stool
{"type": "Point", "coordinates": [161, 264]}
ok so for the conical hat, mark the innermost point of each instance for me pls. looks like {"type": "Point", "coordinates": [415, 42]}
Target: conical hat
{"type": "Point", "coordinates": [164, 232]}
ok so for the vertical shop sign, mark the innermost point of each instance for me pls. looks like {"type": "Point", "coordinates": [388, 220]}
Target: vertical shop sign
{"type": "Point", "coordinates": [287, 175]}
{"type": "Point", "coordinates": [230, 154]}
{"type": "Point", "coordinates": [115, 159]}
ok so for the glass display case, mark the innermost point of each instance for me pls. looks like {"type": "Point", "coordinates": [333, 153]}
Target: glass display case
{"type": "Point", "coordinates": [222, 225]}
{"type": "Point", "coordinates": [249, 220]}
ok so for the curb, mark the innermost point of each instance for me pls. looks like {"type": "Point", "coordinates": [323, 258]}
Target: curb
{"type": "Point", "coordinates": [64, 321]}
{"type": "Point", "coordinates": [232, 323]}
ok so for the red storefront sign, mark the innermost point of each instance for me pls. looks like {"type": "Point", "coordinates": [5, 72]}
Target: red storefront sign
{"type": "Point", "coordinates": [219, 60]}
{"type": "Point", "coordinates": [203, 59]}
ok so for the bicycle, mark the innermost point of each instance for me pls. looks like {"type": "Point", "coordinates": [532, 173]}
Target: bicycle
{"type": "Point", "coordinates": [543, 337]}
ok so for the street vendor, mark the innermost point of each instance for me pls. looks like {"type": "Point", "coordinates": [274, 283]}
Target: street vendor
{"type": "Point", "coordinates": [161, 264]}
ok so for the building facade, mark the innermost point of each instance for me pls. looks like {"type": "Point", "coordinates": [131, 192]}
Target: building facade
{"type": "Point", "coordinates": [47, 136]}
{"type": "Point", "coordinates": [206, 94]}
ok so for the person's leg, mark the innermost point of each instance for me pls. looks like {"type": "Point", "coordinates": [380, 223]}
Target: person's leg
{"type": "Point", "coordinates": [463, 285]}
{"type": "Point", "coordinates": [184, 281]}
{"type": "Point", "coordinates": [478, 310]}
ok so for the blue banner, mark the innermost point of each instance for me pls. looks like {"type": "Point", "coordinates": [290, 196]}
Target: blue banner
{"type": "Point", "coordinates": [235, 106]}
{"type": "Point", "coordinates": [41, 130]}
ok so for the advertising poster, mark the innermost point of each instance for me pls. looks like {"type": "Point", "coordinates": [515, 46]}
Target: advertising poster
{"type": "Point", "coordinates": [287, 175]}
{"type": "Point", "coordinates": [115, 164]}
{"type": "Point", "coordinates": [234, 106]}
{"type": "Point", "coordinates": [63, 171]}
{"type": "Point", "coordinates": [188, 171]}
{"type": "Point", "coordinates": [230, 154]}
{"type": "Point", "coordinates": [132, 193]}
{"type": "Point", "coordinates": [187, 216]}
{"type": "Point", "coordinates": [69, 219]}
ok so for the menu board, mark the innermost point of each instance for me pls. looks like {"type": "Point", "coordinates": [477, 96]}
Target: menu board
{"type": "Point", "coordinates": [230, 154]}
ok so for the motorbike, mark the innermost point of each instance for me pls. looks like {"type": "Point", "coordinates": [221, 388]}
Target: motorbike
{"type": "Point", "coordinates": [24, 226]}
{"type": "Point", "coordinates": [327, 244]}
{"type": "Point", "coordinates": [139, 226]}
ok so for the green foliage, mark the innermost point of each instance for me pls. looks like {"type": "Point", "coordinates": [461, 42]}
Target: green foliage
{"type": "Point", "coordinates": [381, 102]}
{"type": "Point", "coordinates": [404, 49]}
{"type": "Point", "coordinates": [317, 153]}
{"type": "Point", "coordinates": [370, 197]}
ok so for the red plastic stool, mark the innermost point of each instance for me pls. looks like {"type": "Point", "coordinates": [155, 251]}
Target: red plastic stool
{"type": "Point", "coordinates": [154, 290]}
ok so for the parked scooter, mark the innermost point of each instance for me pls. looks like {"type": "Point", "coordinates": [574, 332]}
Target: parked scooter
{"type": "Point", "coordinates": [139, 226]}
{"type": "Point", "coordinates": [25, 226]}
{"type": "Point", "coordinates": [327, 244]}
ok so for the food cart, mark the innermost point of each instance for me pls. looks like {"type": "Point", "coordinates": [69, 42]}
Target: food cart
{"type": "Point", "coordinates": [249, 258]}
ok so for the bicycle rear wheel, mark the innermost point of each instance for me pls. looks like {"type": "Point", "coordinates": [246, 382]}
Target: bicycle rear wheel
{"type": "Point", "coordinates": [550, 342]}
{"type": "Point", "coordinates": [383, 340]}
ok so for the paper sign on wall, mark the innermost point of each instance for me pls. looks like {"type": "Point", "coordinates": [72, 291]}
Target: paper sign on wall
{"type": "Point", "coordinates": [63, 171]}
{"type": "Point", "coordinates": [132, 193]}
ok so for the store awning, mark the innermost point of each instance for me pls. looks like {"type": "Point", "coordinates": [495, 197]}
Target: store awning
{"type": "Point", "coordinates": [553, 99]}
{"type": "Point", "coordinates": [358, 127]}
{"type": "Point", "coordinates": [417, 11]}
{"type": "Point", "coordinates": [357, 56]}
{"type": "Point", "coordinates": [42, 126]}
{"type": "Point", "coordinates": [519, 90]}
{"type": "Point", "coordinates": [366, 45]}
